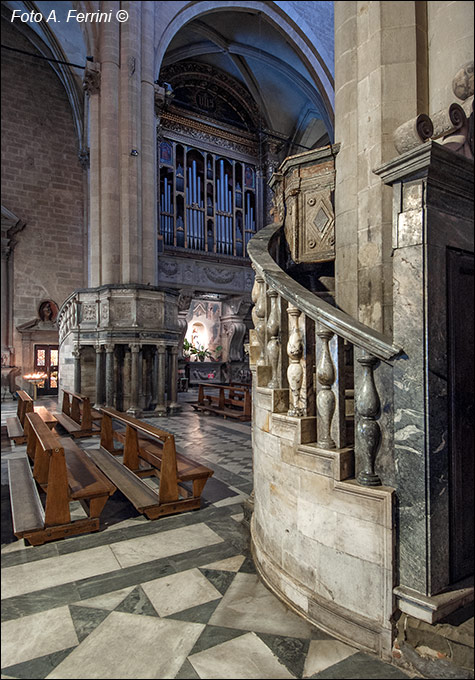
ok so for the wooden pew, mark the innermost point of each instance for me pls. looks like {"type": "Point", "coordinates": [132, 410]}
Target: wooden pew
{"type": "Point", "coordinates": [148, 451]}
{"type": "Point", "coordinates": [77, 415]}
{"type": "Point", "coordinates": [64, 473]}
{"type": "Point", "coordinates": [15, 424]}
{"type": "Point", "coordinates": [228, 401]}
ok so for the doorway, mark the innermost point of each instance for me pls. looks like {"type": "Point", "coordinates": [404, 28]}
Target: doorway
{"type": "Point", "coordinates": [46, 361]}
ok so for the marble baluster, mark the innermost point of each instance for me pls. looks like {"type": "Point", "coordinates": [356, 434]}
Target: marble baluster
{"type": "Point", "coordinates": [161, 408]}
{"type": "Point", "coordinates": [368, 430]}
{"type": "Point", "coordinates": [295, 369]}
{"type": "Point", "coordinates": [110, 387]}
{"type": "Point", "coordinates": [134, 409]}
{"type": "Point", "coordinates": [258, 317]}
{"type": "Point", "coordinates": [273, 346]}
{"type": "Point", "coordinates": [325, 396]}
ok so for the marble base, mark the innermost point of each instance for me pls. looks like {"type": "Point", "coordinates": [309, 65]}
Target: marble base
{"type": "Point", "coordinates": [436, 607]}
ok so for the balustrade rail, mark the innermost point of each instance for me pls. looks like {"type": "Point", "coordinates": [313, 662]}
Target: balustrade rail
{"type": "Point", "coordinates": [305, 345]}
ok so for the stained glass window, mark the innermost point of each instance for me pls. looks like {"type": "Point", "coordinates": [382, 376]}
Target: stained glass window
{"type": "Point", "coordinates": [41, 357]}
{"type": "Point", "coordinates": [54, 357]}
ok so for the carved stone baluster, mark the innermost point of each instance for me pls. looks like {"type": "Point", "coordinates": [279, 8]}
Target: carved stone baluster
{"type": "Point", "coordinates": [367, 406]}
{"type": "Point", "coordinates": [273, 346]}
{"type": "Point", "coordinates": [325, 396]}
{"type": "Point", "coordinates": [295, 370]}
{"type": "Point", "coordinates": [258, 316]}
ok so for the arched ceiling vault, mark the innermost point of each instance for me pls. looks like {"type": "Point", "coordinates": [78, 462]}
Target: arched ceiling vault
{"type": "Point", "coordinates": [263, 57]}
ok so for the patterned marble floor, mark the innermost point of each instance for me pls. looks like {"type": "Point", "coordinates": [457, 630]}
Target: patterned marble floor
{"type": "Point", "coordinates": [176, 597]}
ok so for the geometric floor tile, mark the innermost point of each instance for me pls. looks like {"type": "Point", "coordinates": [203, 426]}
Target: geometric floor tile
{"type": "Point", "coordinates": [220, 579]}
{"type": "Point", "coordinates": [229, 564]}
{"type": "Point", "coordinates": [325, 653]}
{"type": "Point", "coordinates": [183, 590]}
{"type": "Point", "coordinates": [37, 575]}
{"type": "Point", "coordinates": [291, 652]}
{"type": "Point", "coordinates": [249, 605]}
{"type": "Point", "coordinates": [37, 635]}
{"type": "Point", "coordinates": [164, 544]}
{"type": "Point", "coordinates": [107, 601]}
{"type": "Point", "coordinates": [199, 614]}
{"type": "Point", "coordinates": [362, 665]}
{"type": "Point", "coordinates": [243, 657]}
{"type": "Point", "coordinates": [86, 619]}
{"type": "Point", "coordinates": [137, 603]}
{"type": "Point", "coordinates": [129, 646]}
{"type": "Point", "coordinates": [37, 668]}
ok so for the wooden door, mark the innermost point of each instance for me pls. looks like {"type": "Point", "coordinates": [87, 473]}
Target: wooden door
{"type": "Point", "coordinates": [460, 315]}
{"type": "Point", "coordinates": [46, 361]}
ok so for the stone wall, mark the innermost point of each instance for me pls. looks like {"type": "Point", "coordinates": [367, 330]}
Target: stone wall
{"type": "Point", "coordinates": [42, 181]}
{"type": "Point", "coordinates": [380, 83]}
{"type": "Point", "coordinates": [449, 23]}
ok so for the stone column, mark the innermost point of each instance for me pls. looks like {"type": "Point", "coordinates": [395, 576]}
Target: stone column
{"type": "Point", "coordinates": [109, 140]}
{"type": "Point", "coordinates": [99, 377]}
{"type": "Point", "coordinates": [134, 409]}
{"type": "Point", "coordinates": [77, 369]}
{"type": "Point", "coordinates": [91, 85]}
{"type": "Point", "coordinates": [10, 227]}
{"type": "Point", "coordinates": [110, 382]}
{"type": "Point", "coordinates": [161, 408]}
{"type": "Point", "coordinates": [174, 406]}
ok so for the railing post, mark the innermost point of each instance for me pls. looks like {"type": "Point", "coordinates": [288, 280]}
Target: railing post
{"type": "Point", "coordinates": [295, 370]}
{"type": "Point", "coordinates": [368, 430]}
{"type": "Point", "coordinates": [258, 316]}
{"type": "Point", "coordinates": [325, 396]}
{"type": "Point", "coordinates": [273, 346]}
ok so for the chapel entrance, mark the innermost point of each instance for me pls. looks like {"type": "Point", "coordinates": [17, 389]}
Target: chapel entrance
{"type": "Point", "coordinates": [46, 361]}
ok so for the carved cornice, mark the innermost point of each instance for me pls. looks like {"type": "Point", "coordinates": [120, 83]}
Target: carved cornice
{"type": "Point", "coordinates": [171, 120]}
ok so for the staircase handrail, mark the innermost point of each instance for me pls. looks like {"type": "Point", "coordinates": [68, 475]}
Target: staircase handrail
{"type": "Point", "coordinates": [341, 323]}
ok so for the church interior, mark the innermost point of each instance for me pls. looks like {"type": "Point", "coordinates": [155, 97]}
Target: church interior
{"type": "Point", "coordinates": [237, 339]}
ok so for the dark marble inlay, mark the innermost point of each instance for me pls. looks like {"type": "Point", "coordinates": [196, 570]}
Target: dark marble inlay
{"type": "Point", "coordinates": [86, 619]}
{"type": "Point", "coordinates": [215, 635]}
{"type": "Point", "coordinates": [37, 668]}
{"type": "Point", "coordinates": [361, 665]}
{"type": "Point", "coordinates": [187, 672]}
{"type": "Point", "coordinates": [199, 614]}
{"type": "Point", "coordinates": [39, 601]}
{"type": "Point", "coordinates": [137, 602]}
{"type": "Point", "coordinates": [221, 580]}
{"type": "Point", "coordinates": [248, 567]}
{"type": "Point", "coordinates": [291, 652]}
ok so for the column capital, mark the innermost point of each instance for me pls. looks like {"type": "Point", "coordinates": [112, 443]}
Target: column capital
{"type": "Point", "coordinates": [135, 347]}
{"type": "Point", "coordinates": [109, 347]}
